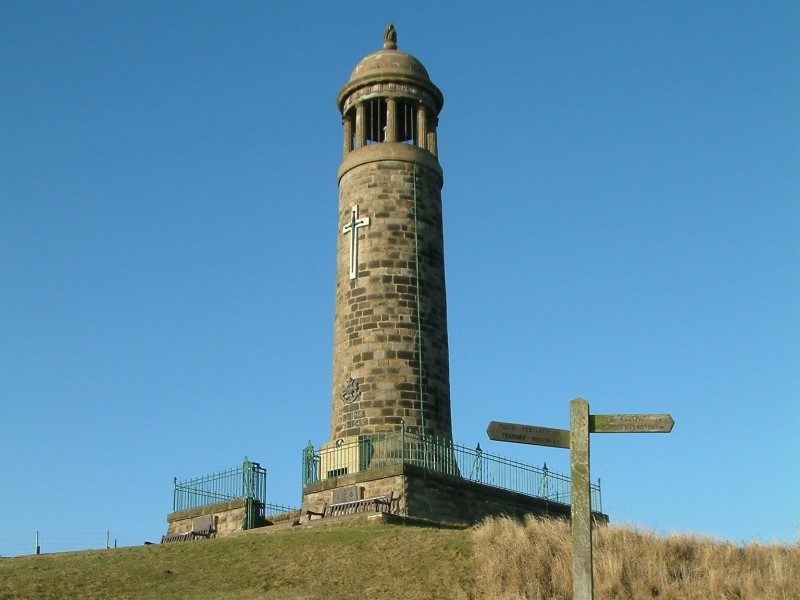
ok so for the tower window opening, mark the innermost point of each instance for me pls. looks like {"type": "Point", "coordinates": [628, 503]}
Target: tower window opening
{"type": "Point", "coordinates": [375, 120]}
{"type": "Point", "coordinates": [407, 126]}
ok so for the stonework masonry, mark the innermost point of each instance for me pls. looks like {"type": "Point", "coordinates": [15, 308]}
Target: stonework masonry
{"type": "Point", "coordinates": [390, 354]}
{"type": "Point", "coordinates": [430, 496]}
{"type": "Point", "coordinates": [396, 300]}
{"type": "Point", "coordinates": [390, 348]}
{"type": "Point", "coordinates": [229, 517]}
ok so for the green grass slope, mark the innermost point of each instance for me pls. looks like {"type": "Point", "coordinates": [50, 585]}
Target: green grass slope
{"type": "Point", "coordinates": [499, 560]}
{"type": "Point", "coordinates": [343, 562]}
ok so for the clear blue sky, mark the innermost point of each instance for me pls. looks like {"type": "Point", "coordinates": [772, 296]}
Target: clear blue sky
{"type": "Point", "coordinates": [622, 220]}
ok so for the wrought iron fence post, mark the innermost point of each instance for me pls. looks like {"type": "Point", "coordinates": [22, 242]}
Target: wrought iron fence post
{"type": "Point", "coordinates": [599, 496]}
{"type": "Point", "coordinates": [309, 466]}
{"type": "Point", "coordinates": [247, 478]}
{"type": "Point", "coordinates": [402, 441]}
{"type": "Point", "coordinates": [247, 492]}
{"type": "Point", "coordinates": [545, 482]}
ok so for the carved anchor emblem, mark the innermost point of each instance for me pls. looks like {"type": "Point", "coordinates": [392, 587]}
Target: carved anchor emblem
{"type": "Point", "coordinates": [351, 391]}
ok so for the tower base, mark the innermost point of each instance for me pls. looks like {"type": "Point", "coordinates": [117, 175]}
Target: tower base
{"type": "Point", "coordinates": [420, 493]}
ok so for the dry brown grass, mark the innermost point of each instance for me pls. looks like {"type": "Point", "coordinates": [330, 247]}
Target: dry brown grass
{"type": "Point", "coordinates": [533, 561]}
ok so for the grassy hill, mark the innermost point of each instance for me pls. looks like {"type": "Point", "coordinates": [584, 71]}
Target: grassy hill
{"type": "Point", "coordinates": [499, 560]}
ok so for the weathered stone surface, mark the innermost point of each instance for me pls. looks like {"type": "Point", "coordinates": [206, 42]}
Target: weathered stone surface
{"type": "Point", "coordinates": [390, 356]}
{"type": "Point", "coordinates": [229, 517]}
{"type": "Point", "coordinates": [432, 496]}
{"type": "Point", "coordinates": [347, 494]}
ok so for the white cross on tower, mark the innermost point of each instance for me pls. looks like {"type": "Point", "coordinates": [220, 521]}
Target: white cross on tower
{"type": "Point", "coordinates": [352, 228]}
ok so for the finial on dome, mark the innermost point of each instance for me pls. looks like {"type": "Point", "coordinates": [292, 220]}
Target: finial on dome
{"type": "Point", "coordinates": [390, 38]}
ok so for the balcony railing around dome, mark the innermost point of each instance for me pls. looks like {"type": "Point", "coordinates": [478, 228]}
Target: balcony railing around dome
{"type": "Point", "coordinates": [381, 450]}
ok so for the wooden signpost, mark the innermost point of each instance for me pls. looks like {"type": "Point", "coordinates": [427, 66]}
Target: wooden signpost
{"type": "Point", "coordinates": [577, 440]}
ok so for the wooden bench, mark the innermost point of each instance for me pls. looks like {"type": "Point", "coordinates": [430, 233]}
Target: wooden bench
{"type": "Point", "coordinates": [203, 526]}
{"type": "Point", "coordinates": [177, 537]}
{"type": "Point", "coordinates": [378, 504]}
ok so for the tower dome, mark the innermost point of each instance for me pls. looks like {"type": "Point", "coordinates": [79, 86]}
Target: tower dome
{"type": "Point", "coordinates": [393, 68]}
{"type": "Point", "coordinates": [387, 63]}
{"type": "Point", "coordinates": [393, 77]}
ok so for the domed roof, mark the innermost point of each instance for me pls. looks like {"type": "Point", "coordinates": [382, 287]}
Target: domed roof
{"type": "Point", "coordinates": [390, 65]}
{"type": "Point", "coordinates": [386, 62]}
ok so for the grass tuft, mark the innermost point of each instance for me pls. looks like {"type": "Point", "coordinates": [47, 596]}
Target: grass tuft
{"type": "Point", "coordinates": [532, 561]}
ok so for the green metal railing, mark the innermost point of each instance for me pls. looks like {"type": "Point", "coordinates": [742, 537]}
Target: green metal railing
{"type": "Point", "coordinates": [277, 509]}
{"type": "Point", "coordinates": [248, 481]}
{"type": "Point", "coordinates": [380, 450]}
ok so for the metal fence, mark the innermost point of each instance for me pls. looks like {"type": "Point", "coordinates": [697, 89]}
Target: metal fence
{"type": "Point", "coordinates": [248, 481]}
{"type": "Point", "coordinates": [15, 543]}
{"type": "Point", "coordinates": [379, 450]}
{"type": "Point", "coordinates": [278, 509]}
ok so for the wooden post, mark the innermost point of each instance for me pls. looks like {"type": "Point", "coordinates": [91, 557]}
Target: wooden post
{"type": "Point", "coordinates": [577, 440]}
{"type": "Point", "coordinates": [582, 580]}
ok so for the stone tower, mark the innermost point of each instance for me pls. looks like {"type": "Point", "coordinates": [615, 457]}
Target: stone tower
{"type": "Point", "coordinates": [390, 355]}
{"type": "Point", "coordinates": [391, 447]}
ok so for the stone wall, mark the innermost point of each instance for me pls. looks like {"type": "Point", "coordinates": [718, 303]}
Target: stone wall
{"type": "Point", "coordinates": [284, 518]}
{"type": "Point", "coordinates": [378, 482]}
{"type": "Point", "coordinates": [444, 498]}
{"type": "Point", "coordinates": [423, 494]}
{"type": "Point", "coordinates": [229, 517]}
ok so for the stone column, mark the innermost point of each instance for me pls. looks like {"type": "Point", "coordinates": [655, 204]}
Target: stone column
{"type": "Point", "coordinates": [347, 121]}
{"type": "Point", "coordinates": [422, 127]}
{"type": "Point", "coordinates": [391, 120]}
{"type": "Point", "coordinates": [432, 140]}
{"type": "Point", "coordinates": [361, 132]}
